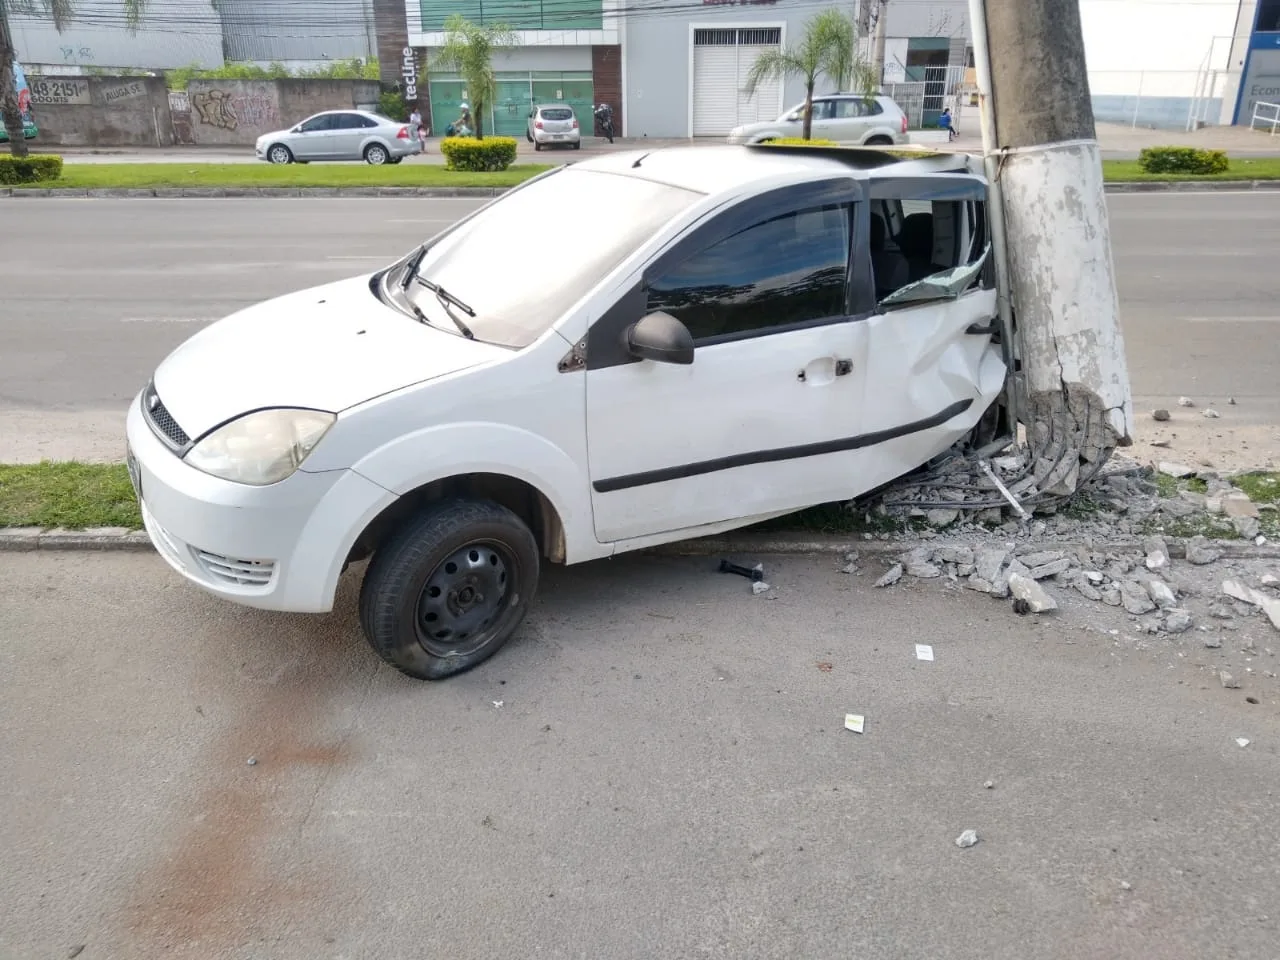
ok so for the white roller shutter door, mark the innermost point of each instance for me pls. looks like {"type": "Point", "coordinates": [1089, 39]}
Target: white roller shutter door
{"type": "Point", "coordinates": [722, 59]}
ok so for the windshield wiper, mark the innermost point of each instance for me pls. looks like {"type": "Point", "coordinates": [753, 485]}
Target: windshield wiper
{"type": "Point", "coordinates": [411, 268]}
{"type": "Point", "coordinates": [447, 299]}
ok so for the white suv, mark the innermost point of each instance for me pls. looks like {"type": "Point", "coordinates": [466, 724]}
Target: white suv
{"type": "Point", "coordinates": [750, 331]}
{"type": "Point", "coordinates": [841, 117]}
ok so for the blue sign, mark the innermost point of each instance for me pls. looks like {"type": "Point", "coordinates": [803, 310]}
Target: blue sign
{"type": "Point", "coordinates": [1264, 41]}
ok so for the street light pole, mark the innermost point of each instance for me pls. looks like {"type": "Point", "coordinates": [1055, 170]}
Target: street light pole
{"type": "Point", "coordinates": [1042, 158]}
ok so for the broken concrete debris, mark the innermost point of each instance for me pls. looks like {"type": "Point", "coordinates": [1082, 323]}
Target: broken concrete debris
{"type": "Point", "coordinates": [967, 839]}
{"type": "Point", "coordinates": [1161, 415]}
{"type": "Point", "coordinates": [1228, 681]}
{"type": "Point", "coordinates": [1026, 591]}
{"type": "Point", "coordinates": [893, 576]}
{"type": "Point", "coordinates": [758, 587]}
{"type": "Point", "coordinates": [1268, 605]}
{"type": "Point", "coordinates": [1186, 402]}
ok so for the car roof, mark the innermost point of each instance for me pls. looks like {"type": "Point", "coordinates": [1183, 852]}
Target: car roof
{"type": "Point", "coordinates": [730, 168]}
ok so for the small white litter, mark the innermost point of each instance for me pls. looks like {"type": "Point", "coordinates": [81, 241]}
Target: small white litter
{"type": "Point", "coordinates": [967, 839]}
{"type": "Point", "coordinates": [759, 587]}
{"type": "Point", "coordinates": [497, 704]}
{"type": "Point", "coordinates": [924, 651]}
{"type": "Point", "coordinates": [1242, 742]}
{"type": "Point", "coordinates": [854, 722]}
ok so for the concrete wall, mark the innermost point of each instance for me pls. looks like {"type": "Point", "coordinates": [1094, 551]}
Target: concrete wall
{"type": "Point", "coordinates": [237, 112]}
{"type": "Point", "coordinates": [928, 18]}
{"type": "Point", "coordinates": [101, 111]}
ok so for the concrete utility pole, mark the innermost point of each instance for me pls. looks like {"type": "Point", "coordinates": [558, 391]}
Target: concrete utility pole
{"type": "Point", "coordinates": [1045, 168]}
{"type": "Point", "coordinates": [877, 42]}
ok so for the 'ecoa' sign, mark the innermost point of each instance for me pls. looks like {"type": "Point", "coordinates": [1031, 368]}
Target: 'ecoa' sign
{"type": "Point", "coordinates": [409, 69]}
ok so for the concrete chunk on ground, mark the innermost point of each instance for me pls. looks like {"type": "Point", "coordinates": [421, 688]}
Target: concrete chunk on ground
{"type": "Point", "coordinates": [1157, 552]}
{"type": "Point", "coordinates": [893, 575]}
{"type": "Point", "coordinates": [1178, 621]}
{"type": "Point", "coordinates": [1026, 589]}
{"type": "Point", "coordinates": [1268, 605]}
{"type": "Point", "coordinates": [1179, 471]}
{"type": "Point", "coordinates": [1200, 553]}
{"type": "Point", "coordinates": [1228, 681]}
{"type": "Point", "coordinates": [1051, 569]}
{"type": "Point", "coordinates": [990, 561]}
{"type": "Point", "coordinates": [1162, 594]}
{"type": "Point", "coordinates": [1135, 598]}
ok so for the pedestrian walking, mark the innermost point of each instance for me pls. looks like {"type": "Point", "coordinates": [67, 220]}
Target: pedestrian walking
{"type": "Point", "coordinates": [946, 123]}
{"type": "Point", "coordinates": [417, 130]}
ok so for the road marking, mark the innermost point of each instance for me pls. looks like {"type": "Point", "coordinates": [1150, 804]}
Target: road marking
{"type": "Point", "coordinates": [169, 319]}
{"type": "Point", "coordinates": [1232, 319]}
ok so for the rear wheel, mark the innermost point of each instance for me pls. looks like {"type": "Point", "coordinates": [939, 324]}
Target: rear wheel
{"type": "Point", "coordinates": [536, 145]}
{"type": "Point", "coordinates": [879, 142]}
{"type": "Point", "coordinates": [376, 154]}
{"type": "Point", "coordinates": [577, 144]}
{"type": "Point", "coordinates": [448, 591]}
{"type": "Point", "coordinates": [279, 153]}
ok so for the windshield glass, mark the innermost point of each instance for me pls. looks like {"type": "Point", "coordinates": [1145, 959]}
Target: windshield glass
{"type": "Point", "coordinates": [526, 259]}
{"type": "Point", "coordinates": [557, 113]}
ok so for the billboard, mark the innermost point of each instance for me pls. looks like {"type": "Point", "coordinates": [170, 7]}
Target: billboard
{"type": "Point", "coordinates": [24, 105]}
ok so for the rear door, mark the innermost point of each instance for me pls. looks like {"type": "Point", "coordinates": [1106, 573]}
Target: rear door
{"type": "Point", "coordinates": [932, 355]}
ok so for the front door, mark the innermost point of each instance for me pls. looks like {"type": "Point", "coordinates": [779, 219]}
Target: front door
{"type": "Point", "coordinates": [311, 142]}
{"type": "Point", "coordinates": [766, 417]}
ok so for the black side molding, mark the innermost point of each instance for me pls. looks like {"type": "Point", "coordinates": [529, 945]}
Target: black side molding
{"type": "Point", "coordinates": [684, 471]}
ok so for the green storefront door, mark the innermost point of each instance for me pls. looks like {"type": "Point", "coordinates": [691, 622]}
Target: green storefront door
{"type": "Point", "coordinates": [446, 101]}
{"type": "Point", "coordinates": [572, 89]}
{"type": "Point", "coordinates": [511, 108]}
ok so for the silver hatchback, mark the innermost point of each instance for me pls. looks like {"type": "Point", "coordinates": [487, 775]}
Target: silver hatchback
{"type": "Point", "coordinates": [340, 135]}
{"type": "Point", "coordinates": [554, 123]}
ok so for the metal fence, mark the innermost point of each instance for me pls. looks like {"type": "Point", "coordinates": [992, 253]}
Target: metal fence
{"type": "Point", "coordinates": [1267, 114]}
{"type": "Point", "coordinates": [926, 91]}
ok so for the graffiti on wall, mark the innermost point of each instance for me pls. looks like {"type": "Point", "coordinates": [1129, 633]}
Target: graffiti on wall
{"type": "Point", "coordinates": [230, 111]}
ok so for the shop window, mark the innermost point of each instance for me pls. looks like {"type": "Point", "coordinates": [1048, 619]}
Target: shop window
{"type": "Point", "coordinates": [1268, 16]}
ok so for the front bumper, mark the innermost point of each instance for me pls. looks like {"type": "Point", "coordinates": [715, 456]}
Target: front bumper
{"type": "Point", "coordinates": [279, 547]}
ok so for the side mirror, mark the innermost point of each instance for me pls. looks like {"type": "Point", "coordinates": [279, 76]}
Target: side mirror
{"type": "Point", "coordinates": [662, 338]}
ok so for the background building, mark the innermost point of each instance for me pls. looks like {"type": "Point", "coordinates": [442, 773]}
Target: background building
{"type": "Point", "coordinates": [567, 51]}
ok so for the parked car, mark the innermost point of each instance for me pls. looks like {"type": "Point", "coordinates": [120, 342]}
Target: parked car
{"type": "Point", "coordinates": [751, 331]}
{"type": "Point", "coordinates": [842, 117]}
{"type": "Point", "coordinates": [340, 135]}
{"type": "Point", "coordinates": [553, 124]}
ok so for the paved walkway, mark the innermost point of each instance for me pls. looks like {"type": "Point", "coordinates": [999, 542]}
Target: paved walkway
{"type": "Point", "coordinates": [1117, 142]}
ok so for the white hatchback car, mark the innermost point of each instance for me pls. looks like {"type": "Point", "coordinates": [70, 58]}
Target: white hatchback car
{"type": "Point", "coordinates": [751, 330]}
{"type": "Point", "coordinates": [846, 118]}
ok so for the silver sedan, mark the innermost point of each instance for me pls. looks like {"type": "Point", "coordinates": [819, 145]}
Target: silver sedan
{"type": "Point", "coordinates": [340, 135]}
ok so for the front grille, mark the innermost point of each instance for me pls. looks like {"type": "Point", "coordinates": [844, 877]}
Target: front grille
{"type": "Point", "coordinates": [243, 573]}
{"type": "Point", "coordinates": [161, 420]}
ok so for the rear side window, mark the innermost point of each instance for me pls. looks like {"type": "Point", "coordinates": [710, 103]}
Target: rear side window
{"type": "Point", "coordinates": [557, 113]}
{"type": "Point", "coordinates": [788, 270]}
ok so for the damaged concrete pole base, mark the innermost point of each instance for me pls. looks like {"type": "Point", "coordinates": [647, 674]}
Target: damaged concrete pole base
{"type": "Point", "coordinates": [1076, 401]}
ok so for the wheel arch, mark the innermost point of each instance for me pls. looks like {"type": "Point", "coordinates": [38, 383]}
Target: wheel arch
{"type": "Point", "coordinates": [519, 496]}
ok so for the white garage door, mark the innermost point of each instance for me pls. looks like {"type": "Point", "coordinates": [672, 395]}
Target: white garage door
{"type": "Point", "coordinates": [722, 58]}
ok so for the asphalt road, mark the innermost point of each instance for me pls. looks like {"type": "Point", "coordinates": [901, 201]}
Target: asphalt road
{"type": "Point", "coordinates": [97, 292]}
{"type": "Point", "coordinates": [655, 767]}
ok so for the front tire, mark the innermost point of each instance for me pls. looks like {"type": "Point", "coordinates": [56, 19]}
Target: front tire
{"type": "Point", "coordinates": [537, 146]}
{"type": "Point", "coordinates": [447, 592]}
{"type": "Point", "coordinates": [376, 155]}
{"type": "Point", "coordinates": [879, 142]}
{"type": "Point", "coordinates": [279, 153]}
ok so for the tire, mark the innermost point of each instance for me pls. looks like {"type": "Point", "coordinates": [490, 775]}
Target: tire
{"type": "Point", "coordinates": [537, 146]}
{"type": "Point", "coordinates": [879, 142]}
{"type": "Point", "coordinates": [395, 160]}
{"type": "Point", "coordinates": [279, 153]}
{"type": "Point", "coordinates": [375, 154]}
{"type": "Point", "coordinates": [528, 136]}
{"type": "Point", "coordinates": [577, 145]}
{"type": "Point", "coordinates": [447, 592]}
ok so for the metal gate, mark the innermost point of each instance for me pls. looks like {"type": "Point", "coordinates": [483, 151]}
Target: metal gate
{"type": "Point", "coordinates": [722, 59]}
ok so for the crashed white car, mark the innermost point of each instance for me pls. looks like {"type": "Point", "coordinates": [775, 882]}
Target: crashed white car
{"type": "Point", "coordinates": [736, 333]}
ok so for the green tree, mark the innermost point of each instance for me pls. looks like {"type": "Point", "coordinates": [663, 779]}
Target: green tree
{"type": "Point", "coordinates": [827, 49]}
{"type": "Point", "coordinates": [60, 12]}
{"type": "Point", "coordinates": [468, 51]}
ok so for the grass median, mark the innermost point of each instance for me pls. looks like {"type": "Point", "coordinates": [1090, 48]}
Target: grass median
{"type": "Point", "coordinates": [125, 176]}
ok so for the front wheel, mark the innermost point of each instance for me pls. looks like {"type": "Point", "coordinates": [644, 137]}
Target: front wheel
{"type": "Point", "coordinates": [376, 154]}
{"type": "Point", "coordinates": [448, 591]}
{"type": "Point", "coordinates": [537, 146]}
{"type": "Point", "coordinates": [279, 153]}
{"type": "Point", "coordinates": [879, 142]}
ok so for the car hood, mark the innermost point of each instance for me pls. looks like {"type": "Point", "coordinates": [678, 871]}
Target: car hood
{"type": "Point", "coordinates": [275, 134]}
{"type": "Point", "coordinates": [326, 348]}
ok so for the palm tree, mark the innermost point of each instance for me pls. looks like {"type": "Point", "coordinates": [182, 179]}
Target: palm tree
{"type": "Point", "coordinates": [827, 48]}
{"type": "Point", "coordinates": [61, 12]}
{"type": "Point", "coordinates": [468, 51]}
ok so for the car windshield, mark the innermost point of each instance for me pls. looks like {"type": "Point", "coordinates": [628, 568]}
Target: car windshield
{"type": "Point", "coordinates": [557, 113]}
{"type": "Point", "coordinates": [521, 263]}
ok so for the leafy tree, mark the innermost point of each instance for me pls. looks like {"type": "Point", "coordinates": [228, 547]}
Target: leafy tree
{"type": "Point", "coordinates": [468, 51]}
{"type": "Point", "coordinates": [60, 12]}
{"type": "Point", "coordinates": [826, 49]}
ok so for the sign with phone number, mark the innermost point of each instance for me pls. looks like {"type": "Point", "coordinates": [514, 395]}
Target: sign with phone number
{"type": "Point", "coordinates": [60, 90]}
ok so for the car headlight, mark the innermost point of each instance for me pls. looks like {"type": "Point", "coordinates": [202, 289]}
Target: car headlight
{"type": "Point", "coordinates": [261, 448]}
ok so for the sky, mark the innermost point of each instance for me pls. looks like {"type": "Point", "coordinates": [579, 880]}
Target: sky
{"type": "Point", "coordinates": [1156, 35]}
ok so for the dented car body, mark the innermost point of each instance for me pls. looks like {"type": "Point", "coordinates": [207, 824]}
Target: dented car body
{"type": "Point", "coordinates": [741, 332]}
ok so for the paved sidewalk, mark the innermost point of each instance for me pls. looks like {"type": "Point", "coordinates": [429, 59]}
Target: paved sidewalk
{"type": "Point", "coordinates": [1117, 143]}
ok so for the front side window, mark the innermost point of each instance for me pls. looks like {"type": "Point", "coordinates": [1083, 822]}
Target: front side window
{"type": "Point", "coordinates": [522, 262]}
{"type": "Point", "coordinates": [788, 270]}
{"type": "Point", "coordinates": [924, 250]}
{"type": "Point", "coordinates": [316, 124]}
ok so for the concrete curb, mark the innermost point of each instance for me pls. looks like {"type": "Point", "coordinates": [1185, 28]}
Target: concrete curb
{"type": "Point", "coordinates": [173, 193]}
{"type": "Point", "coordinates": [104, 539]}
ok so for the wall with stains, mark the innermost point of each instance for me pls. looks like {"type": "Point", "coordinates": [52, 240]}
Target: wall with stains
{"type": "Point", "coordinates": [101, 111]}
{"type": "Point", "coordinates": [237, 112]}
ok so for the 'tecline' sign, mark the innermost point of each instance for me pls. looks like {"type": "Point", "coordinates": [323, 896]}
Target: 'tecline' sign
{"type": "Point", "coordinates": [409, 70]}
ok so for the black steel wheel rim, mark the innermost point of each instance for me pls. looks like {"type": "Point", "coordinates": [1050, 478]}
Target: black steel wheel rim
{"type": "Point", "coordinates": [465, 599]}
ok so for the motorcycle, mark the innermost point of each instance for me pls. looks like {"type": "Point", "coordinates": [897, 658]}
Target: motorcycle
{"type": "Point", "coordinates": [604, 118]}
